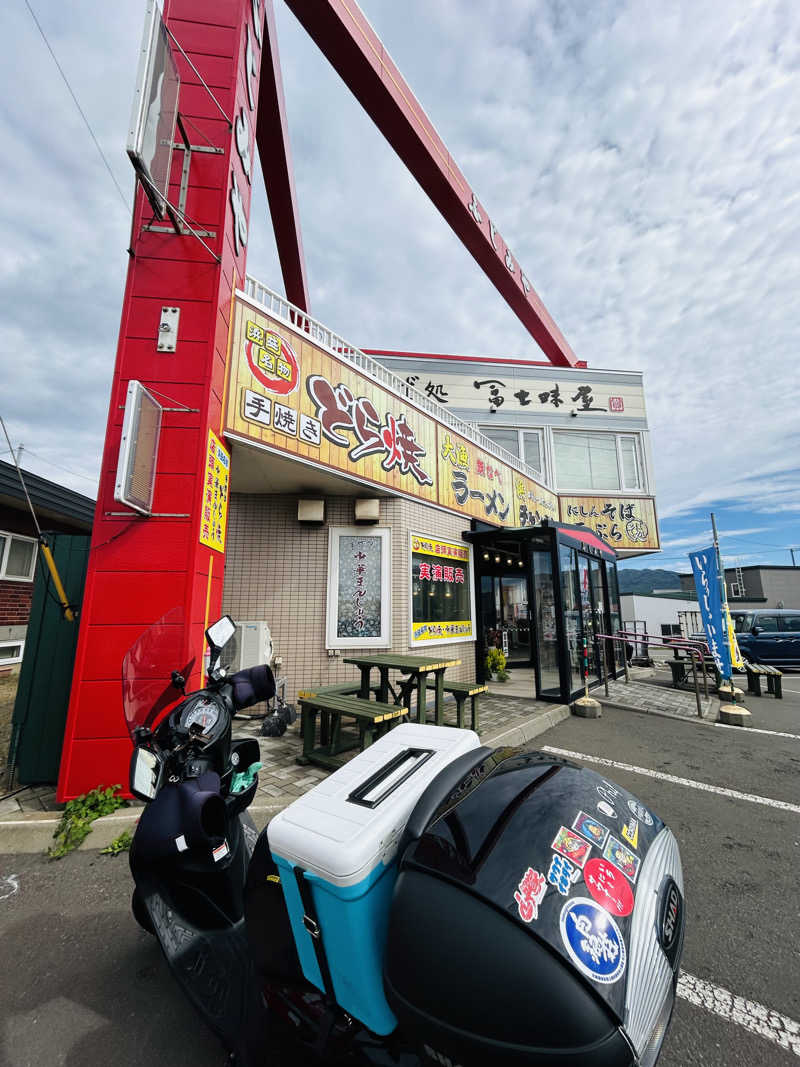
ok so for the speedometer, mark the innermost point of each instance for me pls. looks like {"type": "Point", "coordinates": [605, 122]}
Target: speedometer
{"type": "Point", "coordinates": [204, 714]}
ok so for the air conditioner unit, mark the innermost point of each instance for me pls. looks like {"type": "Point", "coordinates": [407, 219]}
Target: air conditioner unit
{"type": "Point", "coordinates": [250, 645]}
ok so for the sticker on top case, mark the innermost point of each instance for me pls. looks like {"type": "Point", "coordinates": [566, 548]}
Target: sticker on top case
{"type": "Point", "coordinates": [622, 857]}
{"type": "Point", "coordinates": [593, 940]}
{"type": "Point", "coordinates": [610, 785]}
{"type": "Point", "coordinates": [630, 831]}
{"type": "Point", "coordinates": [606, 809]}
{"type": "Point", "coordinates": [591, 829]}
{"type": "Point", "coordinates": [608, 886]}
{"type": "Point", "coordinates": [529, 894]}
{"type": "Point", "coordinates": [641, 812]}
{"type": "Point", "coordinates": [572, 846]}
{"type": "Point", "coordinates": [562, 874]}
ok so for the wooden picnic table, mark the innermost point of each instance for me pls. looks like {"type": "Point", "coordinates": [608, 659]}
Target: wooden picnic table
{"type": "Point", "coordinates": [418, 668]}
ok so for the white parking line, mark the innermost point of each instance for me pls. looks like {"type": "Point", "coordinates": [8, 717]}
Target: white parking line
{"type": "Point", "coordinates": [747, 1013]}
{"type": "Point", "coordinates": [750, 730]}
{"type": "Point", "coordinates": [734, 793]}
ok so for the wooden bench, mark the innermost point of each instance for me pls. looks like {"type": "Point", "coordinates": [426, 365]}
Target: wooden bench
{"type": "Point", "coordinates": [682, 669]}
{"type": "Point", "coordinates": [755, 672]}
{"type": "Point", "coordinates": [372, 717]}
{"type": "Point", "coordinates": [463, 691]}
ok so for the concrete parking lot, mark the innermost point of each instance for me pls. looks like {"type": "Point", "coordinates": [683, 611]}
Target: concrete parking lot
{"type": "Point", "coordinates": [82, 985]}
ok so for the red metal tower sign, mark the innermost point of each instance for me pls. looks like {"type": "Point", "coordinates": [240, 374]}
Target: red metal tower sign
{"type": "Point", "coordinates": [142, 567]}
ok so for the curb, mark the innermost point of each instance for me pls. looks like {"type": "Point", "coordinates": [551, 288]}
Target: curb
{"type": "Point", "coordinates": [526, 730]}
{"type": "Point", "coordinates": [33, 831]}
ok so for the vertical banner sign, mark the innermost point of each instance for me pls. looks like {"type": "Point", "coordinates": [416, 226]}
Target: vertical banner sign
{"type": "Point", "coordinates": [214, 514]}
{"type": "Point", "coordinates": [706, 580]}
{"type": "Point", "coordinates": [359, 592]}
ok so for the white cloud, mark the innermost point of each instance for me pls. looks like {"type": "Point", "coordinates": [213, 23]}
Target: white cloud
{"type": "Point", "coordinates": [641, 162]}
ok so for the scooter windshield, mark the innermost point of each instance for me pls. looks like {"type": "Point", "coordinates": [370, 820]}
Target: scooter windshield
{"type": "Point", "coordinates": [147, 667]}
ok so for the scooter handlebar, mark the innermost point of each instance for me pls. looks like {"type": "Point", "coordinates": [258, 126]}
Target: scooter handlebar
{"type": "Point", "coordinates": [251, 686]}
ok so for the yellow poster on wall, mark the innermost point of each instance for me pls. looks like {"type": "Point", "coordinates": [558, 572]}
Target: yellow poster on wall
{"type": "Point", "coordinates": [214, 510]}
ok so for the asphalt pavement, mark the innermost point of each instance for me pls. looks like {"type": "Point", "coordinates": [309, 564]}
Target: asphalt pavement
{"type": "Point", "coordinates": [83, 985]}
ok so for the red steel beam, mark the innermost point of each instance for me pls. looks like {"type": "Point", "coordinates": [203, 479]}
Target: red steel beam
{"type": "Point", "coordinates": [272, 140]}
{"type": "Point", "coordinates": [345, 37]}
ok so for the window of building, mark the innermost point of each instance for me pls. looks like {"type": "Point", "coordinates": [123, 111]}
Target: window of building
{"type": "Point", "coordinates": [17, 557]}
{"type": "Point", "coordinates": [670, 629]}
{"type": "Point", "coordinates": [507, 439]}
{"type": "Point", "coordinates": [533, 450]}
{"type": "Point", "coordinates": [629, 464]}
{"type": "Point", "coordinates": [526, 445]}
{"type": "Point", "coordinates": [603, 461]}
{"type": "Point", "coordinates": [11, 652]}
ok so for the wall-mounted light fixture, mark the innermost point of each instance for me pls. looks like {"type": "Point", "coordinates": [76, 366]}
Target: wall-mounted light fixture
{"type": "Point", "coordinates": [368, 510]}
{"type": "Point", "coordinates": [311, 512]}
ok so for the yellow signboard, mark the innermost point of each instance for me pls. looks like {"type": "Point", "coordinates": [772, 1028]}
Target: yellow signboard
{"type": "Point", "coordinates": [214, 511]}
{"type": "Point", "coordinates": [473, 482]}
{"type": "Point", "coordinates": [532, 502]}
{"type": "Point", "coordinates": [289, 394]}
{"type": "Point", "coordinates": [623, 522]}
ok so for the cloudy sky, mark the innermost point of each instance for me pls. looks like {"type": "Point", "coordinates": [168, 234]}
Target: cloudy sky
{"type": "Point", "coordinates": [642, 163]}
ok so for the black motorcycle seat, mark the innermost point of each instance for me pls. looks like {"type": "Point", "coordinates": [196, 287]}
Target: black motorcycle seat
{"type": "Point", "coordinates": [269, 929]}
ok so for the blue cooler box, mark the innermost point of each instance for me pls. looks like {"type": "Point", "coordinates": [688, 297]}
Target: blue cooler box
{"type": "Point", "coordinates": [344, 834]}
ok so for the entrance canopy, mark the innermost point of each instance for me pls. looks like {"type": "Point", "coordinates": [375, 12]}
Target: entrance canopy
{"type": "Point", "coordinates": [549, 598]}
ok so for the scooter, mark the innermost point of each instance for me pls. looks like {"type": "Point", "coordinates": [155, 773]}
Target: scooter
{"type": "Point", "coordinates": [433, 901]}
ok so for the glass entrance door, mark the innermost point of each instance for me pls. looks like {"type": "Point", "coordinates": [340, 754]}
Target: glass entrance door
{"type": "Point", "coordinates": [515, 623]}
{"type": "Point", "coordinates": [506, 617]}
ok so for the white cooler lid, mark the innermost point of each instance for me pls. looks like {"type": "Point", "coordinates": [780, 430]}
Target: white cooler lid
{"type": "Point", "coordinates": [341, 840]}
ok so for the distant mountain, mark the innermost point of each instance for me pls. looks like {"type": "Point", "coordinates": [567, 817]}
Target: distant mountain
{"type": "Point", "coordinates": [647, 579]}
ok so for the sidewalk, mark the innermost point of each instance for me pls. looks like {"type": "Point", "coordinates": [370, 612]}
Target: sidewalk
{"type": "Point", "coordinates": [28, 819]}
{"type": "Point", "coordinates": [650, 691]}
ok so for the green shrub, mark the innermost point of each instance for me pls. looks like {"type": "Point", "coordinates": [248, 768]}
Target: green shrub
{"type": "Point", "coordinates": [78, 816]}
{"type": "Point", "coordinates": [121, 843]}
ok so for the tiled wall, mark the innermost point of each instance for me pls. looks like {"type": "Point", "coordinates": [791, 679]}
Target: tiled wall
{"type": "Point", "coordinates": [276, 569]}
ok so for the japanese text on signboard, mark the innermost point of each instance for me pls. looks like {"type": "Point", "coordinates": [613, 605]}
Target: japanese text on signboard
{"type": "Point", "coordinates": [214, 510]}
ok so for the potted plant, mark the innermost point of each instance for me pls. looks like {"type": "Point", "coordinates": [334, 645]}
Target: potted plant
{"type": "Point", "coordinates": [496, 665]}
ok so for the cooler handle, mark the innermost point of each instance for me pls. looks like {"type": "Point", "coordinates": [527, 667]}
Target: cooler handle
{"type": "Point", "coordinates": [361, 794]}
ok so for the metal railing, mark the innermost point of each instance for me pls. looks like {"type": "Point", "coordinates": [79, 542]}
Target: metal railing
{"type": "Point", "coordinates": [277, 306]}
{"type": "Point", "coordinates": [676, 644]}
{"type": "Point", "coordinates": [695, 655]}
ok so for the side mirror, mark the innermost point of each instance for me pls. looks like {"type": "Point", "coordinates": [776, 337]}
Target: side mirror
{"type": "Point", "coordinates": [220, 633]}
{"type": "Point", "coordinates": [146, 772]}
{"type": "Point", "coordinates": [757, 630]}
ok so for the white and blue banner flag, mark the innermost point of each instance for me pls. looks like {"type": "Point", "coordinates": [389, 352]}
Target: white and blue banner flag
{"type": "Point", "coordinates": [706, 579]}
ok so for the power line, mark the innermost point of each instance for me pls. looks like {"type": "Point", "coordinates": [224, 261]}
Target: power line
{"type": "Point", "coordinates": [44, 459]}
{"type": "Point", "coordinates": [78, 106]}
